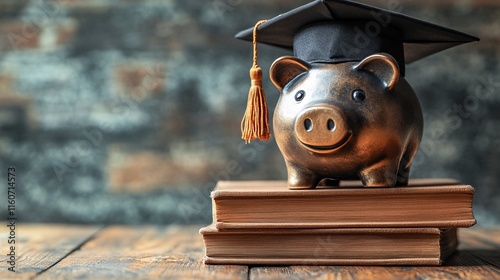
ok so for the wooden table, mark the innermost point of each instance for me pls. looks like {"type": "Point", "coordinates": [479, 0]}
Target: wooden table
{"type": "Point", "coordinates": [51, 251]}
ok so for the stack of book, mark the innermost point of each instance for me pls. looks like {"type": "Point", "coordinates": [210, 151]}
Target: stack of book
{"type": "Point", "coordinates": [263, 222]}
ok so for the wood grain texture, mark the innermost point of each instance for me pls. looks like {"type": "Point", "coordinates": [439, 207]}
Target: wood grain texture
{"type": "Point", "coordinates": [124, 252]}
{"type": "Point", "coordinates": [174, 252]}
{"type": "Point", "coordinates": [38, 247]}
{"type": "Point", "coordinates": [478, 258]}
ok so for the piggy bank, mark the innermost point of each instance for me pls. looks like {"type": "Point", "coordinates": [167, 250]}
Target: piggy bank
{"type": "Point", "coordinates": [346, 121]}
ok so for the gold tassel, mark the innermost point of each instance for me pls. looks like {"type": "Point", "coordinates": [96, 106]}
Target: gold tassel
{"type": "Point", "coordinates": [255, 123]}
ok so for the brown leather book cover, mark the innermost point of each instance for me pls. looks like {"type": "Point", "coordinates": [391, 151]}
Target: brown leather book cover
{"type": "Point", "coordinates": [439, 203]}
{"type": "Point", "coordinates": [354, 246]}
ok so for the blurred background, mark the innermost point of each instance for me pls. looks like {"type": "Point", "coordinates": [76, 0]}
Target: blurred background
{"type": "Point", "coordinates": [116, 111]}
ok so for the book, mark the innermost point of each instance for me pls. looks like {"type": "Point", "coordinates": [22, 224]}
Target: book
{"type": "Point", "coordinates": [352, 246]}
{"type": "Point", "coordinates": [438, 203]}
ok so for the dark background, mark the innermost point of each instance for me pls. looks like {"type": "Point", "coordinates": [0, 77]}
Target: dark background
{"type": "Point", "coordinates": [129, 111]}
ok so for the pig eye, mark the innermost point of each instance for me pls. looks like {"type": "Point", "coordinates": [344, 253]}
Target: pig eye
{"type": "Point", "coordinates": [300, 95]}
{"type": "Point", "coordinates": [358, 95]}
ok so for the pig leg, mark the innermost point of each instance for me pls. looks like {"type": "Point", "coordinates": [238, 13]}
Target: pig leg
{"type": "Point", "coordinates": [405, 165]}
{"type": "Point", "coordinates": [403, 171]}
{"type": "Point", "coordinates": [300, 178]}
{"type": "Point", "coordinates": [381, 174]}
{"type": "Point", "coordinates": [403, 175]}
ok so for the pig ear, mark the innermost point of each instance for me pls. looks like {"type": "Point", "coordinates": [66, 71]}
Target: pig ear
{"type": "Point", "coordinates": [384, 66]}
{"type": "Point", "coordinates": [285, 68]}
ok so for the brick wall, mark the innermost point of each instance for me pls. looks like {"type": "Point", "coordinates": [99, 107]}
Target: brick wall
{"type": "Point", "coordinates": [129, 112]}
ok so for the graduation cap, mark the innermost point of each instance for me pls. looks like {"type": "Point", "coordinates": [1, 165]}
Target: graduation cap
{"type": "Point", "coordinates": [335, 31]}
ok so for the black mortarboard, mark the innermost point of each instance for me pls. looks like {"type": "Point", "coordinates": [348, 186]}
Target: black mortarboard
{"type": "Point", "coordinates": [331, 31]}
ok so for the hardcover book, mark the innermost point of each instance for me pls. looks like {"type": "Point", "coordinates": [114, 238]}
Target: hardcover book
{"type": "Point", "coordinates": [438, 203]}
{"type": "Point", "coordinates": [353, 246]}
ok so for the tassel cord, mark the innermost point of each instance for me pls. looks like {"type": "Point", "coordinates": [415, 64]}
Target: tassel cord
{"type": "Point", "coordinates": [255, 122]}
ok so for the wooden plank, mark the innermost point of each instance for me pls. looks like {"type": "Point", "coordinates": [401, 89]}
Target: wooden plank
{"type": "Point", "coordinates": [482, 244]}
{"type": "Point", "coordinates": [478, 258]}
{"type": "Point", "coordinates": [40, 246]}
{"type": "Point", "coordinates": [56, 251]}
{"type": "Point", "coordinates": [123, 252]}
{"type": "Point", "coordinates": [370, 272]}
{"type": "Point", "coordinates": [480, 238]}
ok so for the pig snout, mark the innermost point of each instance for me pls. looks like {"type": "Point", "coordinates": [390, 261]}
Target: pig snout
{"type": "Point", "coordinates": [322, 128]}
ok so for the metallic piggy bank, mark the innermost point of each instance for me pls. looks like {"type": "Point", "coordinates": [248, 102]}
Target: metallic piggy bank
{"type": "Point", "coordinates": [351, 120]}
{"type": "Point", "coordinates": [345, 111]}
